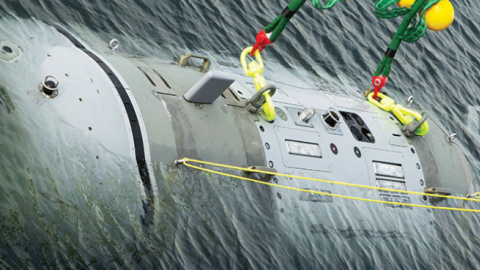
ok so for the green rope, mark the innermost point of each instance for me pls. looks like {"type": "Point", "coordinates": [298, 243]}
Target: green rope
{"type": "Point", "coordinates": [382, 11]}
{"type": "Point", "coordinates": [411, 29]}
{"type": "Point", "coordinates": [277, 26]}
{"type": "Point", "coordinates": [331, 3]}
{"type": "Point", "coordinates": [405, 32]}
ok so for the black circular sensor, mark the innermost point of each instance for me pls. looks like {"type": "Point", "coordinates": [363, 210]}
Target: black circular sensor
{"type": "Point", "coordinates": [7, 49]}
{"type": "Point", "coordinates": [368, 135]}
{"type": "Point", "coordinates": [334, 149]}
{"type": "Point", "coordinates": [356, 133]}
{"type": "Point", "coordinates": [359, 120]}
{"type": "Point", "coordinates": [347, 117]}
{"type": "Point", "coordinates": [51, 84]}
{"type": "Point", "coordinates": [357, 152]}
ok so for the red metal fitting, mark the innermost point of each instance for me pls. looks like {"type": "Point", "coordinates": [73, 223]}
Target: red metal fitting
{"type": "Point", "coordinates": [262, 42]}
{"type": "Point", "coordinates": [378, 83]}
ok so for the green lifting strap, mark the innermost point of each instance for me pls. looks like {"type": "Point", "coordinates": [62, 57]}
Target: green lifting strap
{"type": "Point", "coordinates": [277, 26]}
{"type": "Point", "coordinates": [418, 28]}
{"type": "Point", "coordinates": [405, 32]}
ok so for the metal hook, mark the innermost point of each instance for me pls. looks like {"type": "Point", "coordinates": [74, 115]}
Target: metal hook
{"type": "Point", "coordinates": [49, 86]}
{"type": "Point", "coordinates": [410, 100]}
{"type": "Point", "coordinates": [258, 99]}
{"type": "Point", "coordinates": [410, 129]}
{"type": "Point", "coordinates": [114, 44]}
{"type": "Point", "coordinates": [474, 195]}
{"type": "Point", "coordinates": [452, 137]}
{"type": "Point", "coordinates": [306, 114]}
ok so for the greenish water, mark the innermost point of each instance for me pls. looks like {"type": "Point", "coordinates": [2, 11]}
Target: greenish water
{"type": "Point", "coordinates": [62, 208]}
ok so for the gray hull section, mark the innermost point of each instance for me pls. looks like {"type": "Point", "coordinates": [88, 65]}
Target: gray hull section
{"type": "Point", "coordinates": [225, 132]}
{"type": "Point", "coordinates": [444, 163]}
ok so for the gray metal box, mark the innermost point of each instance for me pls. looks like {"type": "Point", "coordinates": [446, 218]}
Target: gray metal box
{"type": "Point", "coordinates": [209, 88]}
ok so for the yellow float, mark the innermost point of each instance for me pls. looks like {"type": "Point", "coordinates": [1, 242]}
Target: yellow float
{"type": "Point", "coordinates": [439, 17]}
{"type": "Point", "coordinates": [405, 3]}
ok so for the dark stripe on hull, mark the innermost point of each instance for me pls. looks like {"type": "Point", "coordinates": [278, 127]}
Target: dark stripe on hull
{"type": "Point", "coordinates": [134, 124]}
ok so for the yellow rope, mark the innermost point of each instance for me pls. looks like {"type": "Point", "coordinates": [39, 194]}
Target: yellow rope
{"type": "Point", "coordinates": [186, 160]}
{"type": "Point", "coordinates": [332, 182]}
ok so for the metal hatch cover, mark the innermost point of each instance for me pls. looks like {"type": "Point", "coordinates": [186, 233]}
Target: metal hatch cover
{"type": "Point", "coordinates": [292, 160]}
{"type": "Point", "coordinates": [351, 103]}
{"type": "Point", "coordinates": [391, 128]}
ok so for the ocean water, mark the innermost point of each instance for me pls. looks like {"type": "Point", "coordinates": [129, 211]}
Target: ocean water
{"type": "Point", "coordinates": [210, 223]}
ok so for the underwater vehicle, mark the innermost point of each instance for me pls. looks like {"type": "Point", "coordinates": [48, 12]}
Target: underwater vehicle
{"type": "Point", "coordinates": [104, 130]}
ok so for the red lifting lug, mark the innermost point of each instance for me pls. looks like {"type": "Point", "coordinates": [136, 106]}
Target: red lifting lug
{"type": "Point", "coordinates": [262, 42]}
{"type": "Point", "coordinates": [378, 83]}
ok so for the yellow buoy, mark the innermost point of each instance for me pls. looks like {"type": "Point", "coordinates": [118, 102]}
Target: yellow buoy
{"type": "Point", "coordinates": [440, 16]}
{"type": "Point", "coordinates": [405, 3]}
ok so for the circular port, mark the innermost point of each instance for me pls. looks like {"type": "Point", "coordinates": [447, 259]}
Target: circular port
{"type": "Point", "coordinates": [359, 120]}
{"type": "Point", "coordinates": [281, 114]}
{"type": "Point", "coordinates": [7, 49]}
{"type": "Point", "coordinates": [334, 149]}
{"type": "Point", "coordinates": [356, 133]}
{"type": "Point", "coordinates": [368, 134]}
{"type": "Point", "coordinates": [357, 152]}
{"type": "Point", "coordinates": [331, 118]}
{"type": "Point", "coordinates": [347, 118]}
{"type": "Point", "coordinates": [10, 52]}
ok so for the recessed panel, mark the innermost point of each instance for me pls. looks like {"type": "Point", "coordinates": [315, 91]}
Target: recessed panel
{"type": "Point", "coordinates": [390, 170]}
{"type": "Point", "coordinates": [303, 149]}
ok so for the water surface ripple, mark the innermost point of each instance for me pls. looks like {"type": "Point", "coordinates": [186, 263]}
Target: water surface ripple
{"type": "Point", "coordinates": [216, 223]}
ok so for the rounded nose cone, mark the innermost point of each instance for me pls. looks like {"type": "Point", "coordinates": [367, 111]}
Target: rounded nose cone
{"type": "Point", "coordinates": [440, 16]}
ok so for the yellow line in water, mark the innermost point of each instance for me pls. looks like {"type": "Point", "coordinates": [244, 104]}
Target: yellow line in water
{"type": "Point", "coordinates": [186, 163]}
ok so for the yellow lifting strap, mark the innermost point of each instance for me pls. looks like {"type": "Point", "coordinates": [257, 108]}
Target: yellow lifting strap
{"type": "Point", "coordinates": [254, 69]}
{"type": "Point", "coordinates": [404, 115]}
